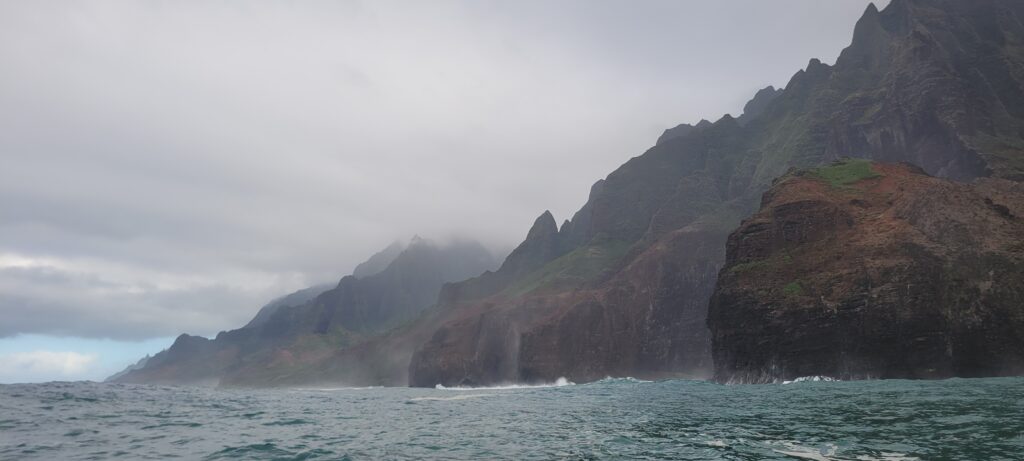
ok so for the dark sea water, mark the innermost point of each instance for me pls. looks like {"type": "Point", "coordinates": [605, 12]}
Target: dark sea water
{"type": "Point", "coordinates": [978, 419]}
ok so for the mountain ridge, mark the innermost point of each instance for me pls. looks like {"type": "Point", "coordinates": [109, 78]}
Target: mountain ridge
{"type": "Point", "coordinates": [897, 93]}
{"type": "Point", "coordinates": [306, 325]}
{"type": "Point", "coordinates": [622, 288]}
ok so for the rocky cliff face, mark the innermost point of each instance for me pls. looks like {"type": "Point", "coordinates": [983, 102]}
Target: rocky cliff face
{"type": "Point", "coordinates": [623, 287]}
{"type": "Point", "coordinates": [860, 270]}
{"type": "Point", "coordinates": [932, 82]}
{"type": "Point", "coordinates": [295, 334]}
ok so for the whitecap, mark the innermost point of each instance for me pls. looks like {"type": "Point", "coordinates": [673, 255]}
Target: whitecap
{"type": "Point", "coordinates": [456, 397]}
{"type": "Point", "coordinates": [332, 389]}
{"type": "Point", "coordinates": [812, 455]}
{"type": "Point", "coordinates": [804, 379]}
{"type": "Point", "coordinates": [627, 379]}
{"type": "Point", "coordinates": [797, 451]}
{"type": "Point", "coordinates": [884, 456]}
{"type": "Point", "coordinates": [560, 382]}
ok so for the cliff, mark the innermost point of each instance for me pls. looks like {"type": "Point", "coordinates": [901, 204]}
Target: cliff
{"type": "Point", "coordinates": [935, 83]}
{"type": "Point", "coordinates": [859, 270]}
{"type": "Point", "coordinates": [299, 332]}
{"type": "Point", "coordinates": [622, 288]}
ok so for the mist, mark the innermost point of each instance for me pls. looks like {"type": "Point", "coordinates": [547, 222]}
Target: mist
{"type": "Point", "coordinates": [170, 167]}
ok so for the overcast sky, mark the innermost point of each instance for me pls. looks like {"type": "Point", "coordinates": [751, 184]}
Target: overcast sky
{"type": "Point", "coordinates": [168, 167]}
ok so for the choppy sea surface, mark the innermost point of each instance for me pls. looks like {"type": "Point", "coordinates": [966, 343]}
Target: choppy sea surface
{"type": "Point", "coordinates": [968, 419]}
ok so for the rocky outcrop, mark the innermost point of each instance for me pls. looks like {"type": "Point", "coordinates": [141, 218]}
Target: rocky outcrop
{"type": "Point", "coordinates": [860, 270]}
{"type": "Point", "coordinates": [539, 247]}
{"type": "Point", "coordinates": [755, 107]}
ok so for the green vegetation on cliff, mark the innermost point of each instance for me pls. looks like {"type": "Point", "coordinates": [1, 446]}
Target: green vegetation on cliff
{"type": "Point", "coordinates": [793, 289]}
{"type": "Point", "coordinates": [845, 172]}
{"type": "Point", "coordinates": [575, 268]}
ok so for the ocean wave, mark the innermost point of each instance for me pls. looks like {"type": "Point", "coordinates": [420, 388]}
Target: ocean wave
{"type": "Point", "coordinates": [829, 452]}
{"type": "Point", "coordinates": [560, 382]}
{"type": "Point", "coordinates": [627, 379]}
{"type": "Point", "coordinates": [805, 379]}
{"type": "Point", "coordinates": [455, 397]}
{"type": "Point", "coordinates": [332, 389]}
{"type": "Point", "coordinates": [825, 453]}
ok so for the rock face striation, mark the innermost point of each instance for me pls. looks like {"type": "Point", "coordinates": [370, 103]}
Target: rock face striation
{"type": "Point", "coordinates": [622, 288]}
{"type": "Point", "coordinates": [289, 340]}
{"type": "Point", "coordinates": [861, 270]}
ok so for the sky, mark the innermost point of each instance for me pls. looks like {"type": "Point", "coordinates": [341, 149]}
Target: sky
{"type": "Point", "coordinates": [169, 167]}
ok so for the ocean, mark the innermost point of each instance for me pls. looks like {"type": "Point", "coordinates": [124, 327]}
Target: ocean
{"type": "Point", "coordinates": [956, 419]}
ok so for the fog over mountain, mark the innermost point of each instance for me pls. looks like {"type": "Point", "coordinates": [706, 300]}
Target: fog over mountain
{"type": "Point", "coordinates": [171, 167]}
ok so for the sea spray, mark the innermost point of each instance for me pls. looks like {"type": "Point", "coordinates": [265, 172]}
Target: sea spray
{"type": "Point", "coordinates": [811, 379]}
{"type": "Point", "coordinates": [560, 382]}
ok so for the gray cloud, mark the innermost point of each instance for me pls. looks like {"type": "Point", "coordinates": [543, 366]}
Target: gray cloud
{"type": "Point", "coordinates": [169, 166]}
{"type": "Point", "coordinates": [61, 303]}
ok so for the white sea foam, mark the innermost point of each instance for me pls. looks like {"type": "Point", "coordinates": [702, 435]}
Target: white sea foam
{"type": "Point", "coordinates": [823, 454]}
{"type": "Point", "coordinates": [805, 455]}
{"type": "Point", "coordinates": [456, 397]}
{"type": "Point", "coordinates": [804, 379]}
{"type": "Point", "coordinates": [627, 379]}
{"type": "Point", "coordinates": [560, 382]}
{"type": "Point", "coordinates": [829, 453]}
{"type": "Point", "coordinates": [884, 456]}
{"type": "Point", "coordinates": [332, 389]}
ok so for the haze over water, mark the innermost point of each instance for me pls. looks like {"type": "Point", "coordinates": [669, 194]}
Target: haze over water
{"type": "Point", "coordinates": [610, 419]}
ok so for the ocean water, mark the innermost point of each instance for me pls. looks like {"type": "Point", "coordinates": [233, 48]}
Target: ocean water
{"type": "Point", "coordinates": [968, 419]}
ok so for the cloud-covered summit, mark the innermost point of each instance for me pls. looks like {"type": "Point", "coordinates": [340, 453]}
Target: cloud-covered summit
{"type": "Point", "coordinates": [170, 167]}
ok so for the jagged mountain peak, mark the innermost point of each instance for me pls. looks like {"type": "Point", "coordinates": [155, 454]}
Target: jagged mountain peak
{"type": "Point", "coordinates": [677, 131]}
{"type": "Point", "coordinates": [756, 106]}
{"type": "Point", "coordinates": [542, 226]}
{"type": "Point", "coordinates": [540, 246]}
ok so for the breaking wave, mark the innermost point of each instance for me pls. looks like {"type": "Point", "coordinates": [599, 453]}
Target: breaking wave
{"type": "Point", "coordinates": [804, 379]}
{"type": "Point", "coordinates": [332, 389]}
{"type": "Point", "coordinates": [627, 379]}
{"type": "Point", "coordinates": [560, 382]}
{"type": "Point", "coordinates": [455, 397]}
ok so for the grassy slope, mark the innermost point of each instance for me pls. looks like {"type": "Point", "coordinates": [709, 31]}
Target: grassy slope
{"type": "Point", "coordinates": [845, 172]}
{"type": "Point", "coordinates": [574, 268]}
